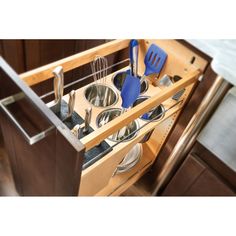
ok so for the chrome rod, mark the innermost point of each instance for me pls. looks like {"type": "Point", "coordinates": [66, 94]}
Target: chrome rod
{"type": "Point", "coordinates": [85, 77]}
{"type": "Point", "coordinates": [12, 99]}
{"type": "Point", "coordinates": [187, 139]}
{"type": "Point", "coordinates": [30, 139]}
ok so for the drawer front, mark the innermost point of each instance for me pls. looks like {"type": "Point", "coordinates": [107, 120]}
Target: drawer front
{"type": "Point", "coordinates": [45, 158]}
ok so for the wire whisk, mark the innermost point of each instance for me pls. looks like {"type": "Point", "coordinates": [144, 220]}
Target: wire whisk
{"type": "Point", "coordinates": [99, 67]}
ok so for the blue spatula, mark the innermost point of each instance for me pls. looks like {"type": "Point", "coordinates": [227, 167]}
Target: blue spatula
{"type": "Point", "coordinates": [129, 94]}
{"type": "Point", "coordinates": [154, 60]}
{"type": "Point", "coordinates": [132, 86]}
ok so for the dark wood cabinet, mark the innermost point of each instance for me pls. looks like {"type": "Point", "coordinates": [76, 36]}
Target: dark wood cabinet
{"type": "Point", "coordinates": [25, 55]}
{"type": "Point", "coordinates": [196, 178]}
{"type": "Point", "coordinates": [45, 157]}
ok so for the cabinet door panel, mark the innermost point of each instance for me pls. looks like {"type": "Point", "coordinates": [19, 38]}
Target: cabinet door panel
{"type": "Point", "coordinates": [209, 184]}
{"type": "Point", "coordinates": [194, 178]}
{"type": "Point", "coordinates": [13, 53]}
{"type": "Point", "coordinates": [184, 178]}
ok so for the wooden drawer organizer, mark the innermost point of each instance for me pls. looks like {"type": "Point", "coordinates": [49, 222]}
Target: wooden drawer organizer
{"type": "Point", "coordinates": [97, 179]}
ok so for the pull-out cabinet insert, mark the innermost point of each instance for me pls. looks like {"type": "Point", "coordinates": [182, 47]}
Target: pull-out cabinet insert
{"type": "Point", "coordinates": [48, 159]}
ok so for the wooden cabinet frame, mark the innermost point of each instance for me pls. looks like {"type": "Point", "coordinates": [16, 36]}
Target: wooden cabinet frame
{"type": "Point", "coordinates": [97, 179]}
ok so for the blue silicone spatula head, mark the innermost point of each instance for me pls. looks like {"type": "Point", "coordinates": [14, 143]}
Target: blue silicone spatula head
{"type": "Point", "coordinates": [154, 60]}
{"type": "Point", "coordinates": [130, 91]}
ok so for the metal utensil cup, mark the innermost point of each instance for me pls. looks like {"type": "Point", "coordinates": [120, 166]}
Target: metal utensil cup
{"type": "Point", "coordinates": [157, 112]}
{"type": "Point", "coordinates": [92, 91]}
{"type": "Point", "coordinates": [119, 78]}
{"type": "Point", "coordinates": [110, 114]}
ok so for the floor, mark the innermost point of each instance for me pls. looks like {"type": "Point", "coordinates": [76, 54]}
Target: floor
{"type": "Point", "coordinates": [142, 188]}
{"type": "Point", "coordinates": [135, 191]}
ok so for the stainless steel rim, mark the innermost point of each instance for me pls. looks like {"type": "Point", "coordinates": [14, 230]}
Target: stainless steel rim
{"type": "Point", "coordinates": [109, 86]}
{"type": "Point", "coordinates": [162, 108]}
{"type": "Point", "coordinates": [117, 109]}
{"type": "Point", "coordinates": [125, 168]}
{"type": "Point", "coordinates": [120, 72]}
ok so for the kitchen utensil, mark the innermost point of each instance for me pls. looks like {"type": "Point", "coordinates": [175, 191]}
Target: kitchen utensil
{"type": "Point", "coordinates": [164, 82]}
{"type": "Point", "coordinates": [71, 103]}
{"type": "Point", "coordinates": [99, 68]}
{"type": "Point", "coordinates": [119, 78]}
{"type": "Point", "coordinates": [177, 96]}
{"type": "Point", "coordinates": [76, 130]}
{"type": "Point", "coordinates": [133, 54]}
{"type": "Point", "coordinates": [104, 119]}
{"type": "Point", "coordinates": [87, 119]}
{"type": "Point", "coordinates": [157, 111]}
{"type": "Point", "coordinates": [106, 97]}
{"type": "Point", "coordinates": [146, 136]}
{"type": "Point", "coordinates": [167, 81]}
{"type": "Point", "coordinates": [112, 113]}
{"type": "Point", "coordinates": [131, 86]}
{"type": "Point", "coordinates": [111, 99]}
{"type": "Point", "coordinates": [129, 93]}
{"type": "Point", "coordinates": [154, 61]}
{"type": "Point", "coordinates": [58, 87]}
{"type": "Point", "coordinates": [93, 68]}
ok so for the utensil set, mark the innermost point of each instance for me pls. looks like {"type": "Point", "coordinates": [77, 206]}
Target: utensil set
{"type": "Point", "coordinates": [58, 93]}
{"type": "Point", "coordinates": [154, 61]}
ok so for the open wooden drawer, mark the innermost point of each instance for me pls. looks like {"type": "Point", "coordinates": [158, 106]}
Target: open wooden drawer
{"type": "Point", "coordinates": [47, 158]}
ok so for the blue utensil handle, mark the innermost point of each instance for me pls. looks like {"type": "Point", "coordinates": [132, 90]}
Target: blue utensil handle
{"type": "Point", "coordinates": [133, 53]}
{"type": "Point", "coordinates": [145, 116]}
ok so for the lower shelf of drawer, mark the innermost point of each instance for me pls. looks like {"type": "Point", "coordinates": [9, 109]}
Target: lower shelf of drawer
{"type": "Point", "coordinates": [120, 182]}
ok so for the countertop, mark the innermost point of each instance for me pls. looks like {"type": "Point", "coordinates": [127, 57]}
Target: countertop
{"type": "Point", "coordinates": [223, 52]}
